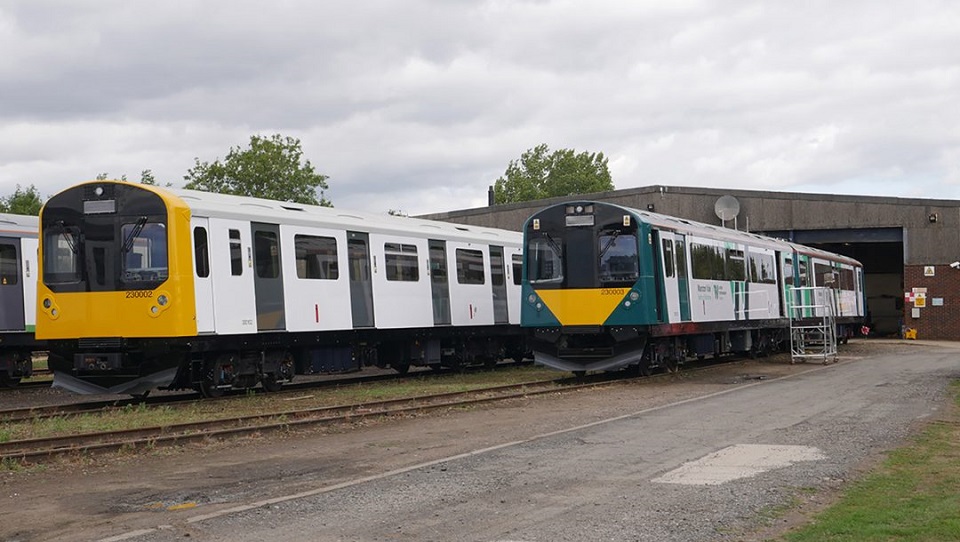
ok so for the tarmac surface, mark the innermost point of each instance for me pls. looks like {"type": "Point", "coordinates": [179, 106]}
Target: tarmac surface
{"type": "Point", "coordinates": [696, 458]}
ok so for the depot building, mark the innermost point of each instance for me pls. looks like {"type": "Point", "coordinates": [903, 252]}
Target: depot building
{"type": "Point", "coordinates": [909, 247]}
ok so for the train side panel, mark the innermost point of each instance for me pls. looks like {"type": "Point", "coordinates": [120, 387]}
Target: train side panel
{"type": "Point", "coordinates": [471, 300]}
{"type": "Point", "coordinates": [29, 272]}
{"type": "Point", "coordinates": [514, 264]}
{"type": "Point", "coordinates": [401, 283]}
{"type": "Point", "coordinates": [711, 292]}
{"type": "Point", "coordinates": [231, 270]}
{"type": "Point", "coordinates": [316, 279]}
{"type": "Point", "coordinates": [202, 278]}
{"type": "Point", "coordinates": [761, 297]}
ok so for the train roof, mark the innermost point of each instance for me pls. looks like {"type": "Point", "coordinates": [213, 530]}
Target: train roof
{"type": "Point", "coordinates": [19, 225]}
{"type": "Point", "coordinates": [248, 208]}
{"type": "Point", "coordinates": [720, 232]}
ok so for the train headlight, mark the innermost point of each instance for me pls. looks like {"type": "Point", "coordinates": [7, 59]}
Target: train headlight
{"type": "Point", "coordinates": [47, 303]}
{"type": "Point", "coordinates": [154, 309]}
{"type": "Point", "coordinates": [532, 298]}
{"type": "Point", "coordinates": [54, 312]}
{"type": "Point", "coordinates": [162, 300]}
{"type": "Point", "coordinates": [634, 295]}
{"type": "Point", "coordinates": [627, 303]}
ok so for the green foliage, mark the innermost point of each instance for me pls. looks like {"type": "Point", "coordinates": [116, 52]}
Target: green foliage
{"type": "Point", "coordinates": [540, 174]}
{"type": "Point", "coordinates": [272, 168]}
{"type": "Point", "coordinates": [23, 201]}
{"type": "Point", "coordinates": [146, 177]}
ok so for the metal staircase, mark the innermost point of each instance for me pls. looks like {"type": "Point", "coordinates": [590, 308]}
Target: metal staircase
{"type": "Point", "coordinates": [813, 329]}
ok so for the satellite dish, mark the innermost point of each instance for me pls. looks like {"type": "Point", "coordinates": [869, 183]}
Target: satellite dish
{"type": "Point", "coordinates": [727, 208]}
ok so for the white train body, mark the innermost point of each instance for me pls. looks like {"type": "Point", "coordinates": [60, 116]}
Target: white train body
{"type": "Point", "coordinates": [18, 294]}
{"type": "Point", "coordinates": [258, 287]}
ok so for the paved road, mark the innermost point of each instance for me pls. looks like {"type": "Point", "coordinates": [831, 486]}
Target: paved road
{"type": "Point", "coordinates": [617, 479]}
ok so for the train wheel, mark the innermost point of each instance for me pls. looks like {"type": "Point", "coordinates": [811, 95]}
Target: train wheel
{"type": "Point", "coordinates": [272, 382]}
{"type": "Point", "coordinates": [9, 381]}
{"type": "Point", "coordinates": [217, 375]}
{"type": "Point", "coordinates": [402, 368]}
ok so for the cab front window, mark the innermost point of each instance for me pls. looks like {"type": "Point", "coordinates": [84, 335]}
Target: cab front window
{"type": "Point", "coordinates": [544, 260]}
{"type": "Point", "coordinates": [61, 254]}
{"type": "Point", "coordinates": [619, 259]}
{"type": "Point", "coordinates": [143, 253]}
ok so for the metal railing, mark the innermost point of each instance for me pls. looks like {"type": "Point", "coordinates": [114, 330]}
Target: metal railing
{"type": "Point", "coordinates": [813, 330]}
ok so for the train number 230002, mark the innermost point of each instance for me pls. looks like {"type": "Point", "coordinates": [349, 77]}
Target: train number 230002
{"type": "Point", "coordinates": [133, 294]}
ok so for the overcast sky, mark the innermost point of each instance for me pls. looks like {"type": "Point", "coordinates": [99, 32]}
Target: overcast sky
{"type": "Point", "coordinates": [420, 105]}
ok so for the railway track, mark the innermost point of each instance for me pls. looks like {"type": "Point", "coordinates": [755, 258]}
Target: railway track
{"type": "Point", "coordinates": [181, 399]}
{"type": "Point", "coordinates": [175, 434]}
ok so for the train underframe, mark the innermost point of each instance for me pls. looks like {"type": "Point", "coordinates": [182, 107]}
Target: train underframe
{"type": "Point", "coordinates": [16, 363]}
{"type": "Point", "coordinates": [213, 364]}
{"type": "Point", "coordinates": [644, 348]}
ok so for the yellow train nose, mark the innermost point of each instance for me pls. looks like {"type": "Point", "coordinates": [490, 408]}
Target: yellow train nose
{"type": "Point", "coordinates": [585, 307]}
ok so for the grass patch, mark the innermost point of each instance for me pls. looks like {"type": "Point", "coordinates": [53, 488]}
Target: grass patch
{"type": "Point", "coordinates": [913, 495]}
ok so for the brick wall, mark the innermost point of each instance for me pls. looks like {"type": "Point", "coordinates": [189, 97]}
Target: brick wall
{"type": "Point", "coordinates": [935, 322]}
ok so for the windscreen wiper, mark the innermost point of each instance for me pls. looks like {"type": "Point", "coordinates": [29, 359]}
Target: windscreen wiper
{"type": "Point", "coordinates": [137, 228]}
{"type": "Point", "coordinates": [554, 245]}
{"type": "Point", "coordinates": [62, 229]}
{"type": "Point", "coordinates": [613, 239]}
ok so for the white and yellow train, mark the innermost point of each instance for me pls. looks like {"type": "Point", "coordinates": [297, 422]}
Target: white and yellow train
{"type": "Point", "coordinates": [143, 287]}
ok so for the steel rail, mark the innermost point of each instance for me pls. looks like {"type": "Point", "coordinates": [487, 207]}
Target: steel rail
{"type": "Point", "coordinates": [29, 449]}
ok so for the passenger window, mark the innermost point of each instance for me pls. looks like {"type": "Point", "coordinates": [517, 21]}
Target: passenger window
{"type": "Point", "coordinates": [707, 262]}
{"type": "Point", "coordinates": [736, 269]}
{"type": "Point", "coordinates": [201, 252]}
{"type": "Point", "coordinates": [681, 256]}
{"type": "Point", "coordinates": [667, 258]}
{"type": "Point", "coordinates": [9, 270]}
{"type": "Point", "coordinates": [401, 262]}
{"type": "Point", "coordinates": [236, 254]}
{"type": "Point", "coordinates": [517, 260]}
{"type": "Point", "coordinates": [316, 257]}
{"type": "Point", "coordinates": [470, 266]}
{"type": "Point", "coordinates": [266, 254]}
{"type": "Point", "coordinates": [496, 267]}
{"type": "Point", "coordinates": [762, 268]}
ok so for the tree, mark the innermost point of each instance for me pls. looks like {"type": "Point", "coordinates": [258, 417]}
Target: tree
{"type": "Point", "coordinates": [272, 168]}
{"type": "Point", "coordinates": [146, 177]}
{"type": "Point", "coordinates": [541, 174]}
{"type": "Point", "coordinates": [23, 201]}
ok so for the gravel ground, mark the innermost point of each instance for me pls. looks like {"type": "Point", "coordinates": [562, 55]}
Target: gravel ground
{"type": "Point", "coordinates": [499, 474]}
